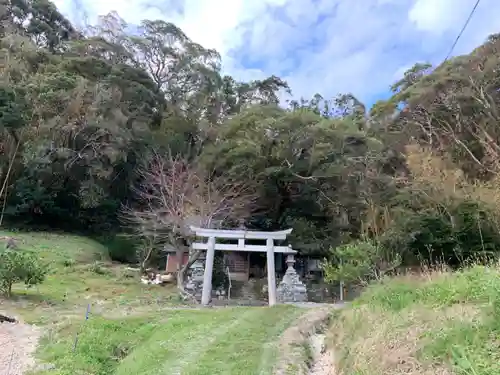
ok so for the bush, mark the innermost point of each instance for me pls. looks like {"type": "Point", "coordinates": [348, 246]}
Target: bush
{"type": "Point", "coordinates": [20, 266]}
{"type": "Point", "coordinates": [98, 268]}
{"type": "Point", "coordinates": [359, 261]}
{"type": "Point", "coordinates": [121, 248]}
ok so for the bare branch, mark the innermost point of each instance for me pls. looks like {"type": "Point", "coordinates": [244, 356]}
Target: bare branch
{"type": "Point", "coordinates": [175, 194]}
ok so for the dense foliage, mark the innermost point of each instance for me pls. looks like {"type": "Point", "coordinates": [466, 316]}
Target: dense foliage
{"type": "Point", "coordinates": [87, 115]}
{"type": "Point", "coordinates": [17, 265]}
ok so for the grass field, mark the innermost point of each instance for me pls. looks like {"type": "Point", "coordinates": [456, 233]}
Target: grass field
{"type": "Point", "coordinates": [197, 342]}
{"type": "Point", "coordinates": [80, 273]}
{"type": "Point", "coordinates": [437, 323]}
{"type": "Point", "coordinates": [135, 329]}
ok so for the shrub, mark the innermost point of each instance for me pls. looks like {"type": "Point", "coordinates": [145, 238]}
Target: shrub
{"type": "Point", "coordinates": [98, 268]}
{"type": "Point", "coordinates": [68, 262]}
{"type": "Point", "coordinates": [359, 261]}
{"type": "Point", "coordinates": [20, 266]}
{"type": "Point", "coordinates": [121, 248]}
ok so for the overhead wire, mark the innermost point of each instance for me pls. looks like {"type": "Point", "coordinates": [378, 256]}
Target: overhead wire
{"type": "Point", "coordinates": [462, 31]}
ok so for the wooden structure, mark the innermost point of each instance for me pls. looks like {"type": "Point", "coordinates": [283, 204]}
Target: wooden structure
{"type": "Point", "coordinates": [238, 265]}
{"type": "Point", "coordinates": [172, 261]}
{"type": "Point", "coordinates": [240, 236]}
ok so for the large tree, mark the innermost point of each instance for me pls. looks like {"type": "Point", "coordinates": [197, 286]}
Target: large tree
{"type": "Point", "coordinates": [174, 194]}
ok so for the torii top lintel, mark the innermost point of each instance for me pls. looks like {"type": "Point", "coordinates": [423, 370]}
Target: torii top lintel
{"type": "Point", "coordinates": [241, 233]}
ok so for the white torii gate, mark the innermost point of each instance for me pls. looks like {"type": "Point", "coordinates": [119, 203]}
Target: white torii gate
{"type": "Point", "coordinates": [241, 235]}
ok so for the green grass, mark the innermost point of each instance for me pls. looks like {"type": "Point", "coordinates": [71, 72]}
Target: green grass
{"type": "Point", "coordinates": [233, 341]}
{"type": "Point", "coordinates": [441, 323]}
{"type": "Point", "coordinates": [80, 273]}
{"type": "Point", "coordinates": [135, 329]}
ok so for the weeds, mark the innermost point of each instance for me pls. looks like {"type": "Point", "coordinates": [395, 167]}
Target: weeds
{"type": "Point", "coordinates": [437, 322]}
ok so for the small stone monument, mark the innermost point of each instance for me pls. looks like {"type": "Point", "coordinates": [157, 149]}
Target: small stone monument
{"type": "Point", "coordinates": [291, 289]}
{"type": "Point", "coordinates": [194, 284]}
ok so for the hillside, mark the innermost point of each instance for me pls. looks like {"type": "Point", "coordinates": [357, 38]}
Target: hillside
{"type": "Point", "coordinates": [437, 323]}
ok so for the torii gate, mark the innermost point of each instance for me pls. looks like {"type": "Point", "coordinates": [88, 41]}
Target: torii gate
{"type": "Point", "coordinates": [241, 235]}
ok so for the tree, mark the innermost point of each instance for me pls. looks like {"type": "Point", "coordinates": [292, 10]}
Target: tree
{"type": "Point", "coordinates": [410, 77]}
{"type": "Point", "coordinates": [175, 194]}
{"type": "Point", "coordinates": [81, 110]}
{"type": "Point", "coordinates": [41, 20]}
{"type": "Point", "coordinates": [313, 172]}
{"type": "Point", "coordinates": [17, 265]}
{"type": "Point", "coordinates": [359, 261]}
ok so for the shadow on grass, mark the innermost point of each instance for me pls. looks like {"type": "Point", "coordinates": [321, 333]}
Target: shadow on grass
{"type": "Point", "coordinates": [33, 298]}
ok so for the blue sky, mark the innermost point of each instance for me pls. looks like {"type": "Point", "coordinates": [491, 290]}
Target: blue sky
{"type": "Point", "coordinates": [325, 46]}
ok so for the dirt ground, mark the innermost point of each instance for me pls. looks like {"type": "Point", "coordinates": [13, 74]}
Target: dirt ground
{"type": "Point", "coordinates": [18, 343]}
{"type": "Point", "coordinates": [318, 360]}
{"type": "Point", "coordinates": [323, 358]}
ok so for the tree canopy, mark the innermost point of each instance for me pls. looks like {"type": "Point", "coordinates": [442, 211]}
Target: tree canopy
{"type": "Point", "coordinates": [83, 112]}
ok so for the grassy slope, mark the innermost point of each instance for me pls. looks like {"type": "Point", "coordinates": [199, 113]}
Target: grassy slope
{"type": "Point", "coordinates": [80, 273]}
{"type": "Point", "coordinates": [135, 329]}
{"type": "Point", "coordinates": [237, 341]}
{"type": "Point", "coordinates": [440, 323]}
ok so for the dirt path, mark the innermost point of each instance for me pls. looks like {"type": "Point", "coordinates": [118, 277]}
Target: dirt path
{"type": "Point", "coordinates": [302, 346]}
{"type": "Point", "coordinates": [323, 359]}
{"type": "Point", "coordinates": [18, 342]}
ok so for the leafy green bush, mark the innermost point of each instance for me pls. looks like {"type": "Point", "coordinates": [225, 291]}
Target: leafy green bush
{"type": "Point", "coordinates": [359, 261]}
{"type": "Point", "coordinates": [20, 266]}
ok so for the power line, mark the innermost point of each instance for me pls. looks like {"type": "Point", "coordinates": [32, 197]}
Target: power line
{"type": "Point", "coordinates": [462, 31]}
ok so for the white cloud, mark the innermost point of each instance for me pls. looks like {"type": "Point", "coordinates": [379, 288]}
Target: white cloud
{"type": "Point", "coordinates": [438, 16]}
{"type": "Point", "coordinates": [325, 46]}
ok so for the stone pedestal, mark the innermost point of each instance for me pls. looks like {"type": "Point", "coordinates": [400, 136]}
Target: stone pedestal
{"type": "Point", "coordinates": [291, 289]}
{"type": "Point", "coordinates": [194, 284]}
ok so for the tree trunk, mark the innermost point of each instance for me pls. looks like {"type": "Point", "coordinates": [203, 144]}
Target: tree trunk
{"type": "Point", "coordinates": [145, 260]}
{"type": "Point", "coordinates": [181, 277]}
{"type": "Point", "coordinates": [182, 269]}
{"type": "Point", "coordinates": [6, 172]}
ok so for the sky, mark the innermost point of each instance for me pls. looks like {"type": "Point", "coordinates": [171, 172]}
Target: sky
{"type": "Point", "coordinates": [317, 46]}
